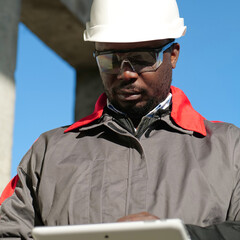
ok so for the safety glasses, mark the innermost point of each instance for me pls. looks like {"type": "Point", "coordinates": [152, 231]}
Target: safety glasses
{"type": "Point", "coordinates": [140, 60]}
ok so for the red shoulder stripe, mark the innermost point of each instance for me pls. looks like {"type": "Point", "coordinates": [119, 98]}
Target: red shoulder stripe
{"type": "Point", "coordinates": [9, 189]}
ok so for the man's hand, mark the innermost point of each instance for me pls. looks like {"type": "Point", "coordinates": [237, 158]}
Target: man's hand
{"type": "Point", "coordinates": [143, 216]}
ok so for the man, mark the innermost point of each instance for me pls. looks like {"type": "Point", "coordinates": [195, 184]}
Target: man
{"type": "Point", "coordinates": [144, 153]}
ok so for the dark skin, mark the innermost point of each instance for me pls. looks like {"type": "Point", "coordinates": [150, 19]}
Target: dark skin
{"type": "Point", "coordinates": [137, 94]}
{"type": "Point", "coordinates": [142, 216]}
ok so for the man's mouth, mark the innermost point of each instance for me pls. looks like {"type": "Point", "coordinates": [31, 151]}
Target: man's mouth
{"type": "Point", "coordinates": [129, 95]}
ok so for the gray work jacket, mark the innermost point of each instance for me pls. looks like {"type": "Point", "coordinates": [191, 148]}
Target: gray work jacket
{"type": "Point", "coordinates": [104, 170]}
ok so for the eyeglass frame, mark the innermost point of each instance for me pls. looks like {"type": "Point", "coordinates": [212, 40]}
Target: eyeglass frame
{"type": "Point", "coordinates": [158, 51]}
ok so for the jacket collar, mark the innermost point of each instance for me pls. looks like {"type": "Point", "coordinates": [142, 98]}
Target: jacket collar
{"type": "Point", "coordinates": [182, 113]}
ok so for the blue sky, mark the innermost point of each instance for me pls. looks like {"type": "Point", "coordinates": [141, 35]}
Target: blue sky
{"type": "Point", "coordinates": [207, 71]}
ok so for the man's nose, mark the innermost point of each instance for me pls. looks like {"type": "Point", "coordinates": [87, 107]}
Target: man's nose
{"type": "Point", "coordinates": [127, 71]}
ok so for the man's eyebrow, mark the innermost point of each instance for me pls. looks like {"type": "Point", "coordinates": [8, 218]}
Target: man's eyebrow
{"type": "Point", "coordinates": [130, 49]}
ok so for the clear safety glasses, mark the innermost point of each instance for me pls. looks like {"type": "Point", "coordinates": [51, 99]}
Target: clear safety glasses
{"type": "Point", "coordinates": [140, 60]}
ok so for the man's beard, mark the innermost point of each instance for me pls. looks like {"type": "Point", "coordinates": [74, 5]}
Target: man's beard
{"type": "Point", "coordinates": [133, 111]}
{"type": "Point", "coordinates": [136, 112]}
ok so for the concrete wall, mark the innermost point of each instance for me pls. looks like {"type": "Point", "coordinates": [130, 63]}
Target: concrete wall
{"type": "Point", "coordinates": [9, 17]}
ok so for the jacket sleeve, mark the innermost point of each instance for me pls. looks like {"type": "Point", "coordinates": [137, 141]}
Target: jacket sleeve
{"type": "Point", "coordinates": [230, 229]}
{"type": "Point", "coordinates": [19, 213]}
{"type": "Point", "coordinates": [223, 231]}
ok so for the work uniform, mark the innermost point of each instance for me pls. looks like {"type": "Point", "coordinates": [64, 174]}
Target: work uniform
{"type": "Point", "coordinates": [176, 164]}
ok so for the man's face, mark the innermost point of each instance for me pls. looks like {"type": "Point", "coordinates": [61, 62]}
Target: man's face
{"type": "Point", "coordinates": [137, 94]}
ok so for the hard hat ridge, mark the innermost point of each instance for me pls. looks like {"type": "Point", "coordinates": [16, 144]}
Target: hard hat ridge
{"type": "Point", "coordinates": [133, 21]}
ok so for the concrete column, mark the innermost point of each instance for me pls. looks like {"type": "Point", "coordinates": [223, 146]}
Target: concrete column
{"type": "Point", "coordinates": [88, 89]}
{"type": "Point", "coordinates": [9, 17]}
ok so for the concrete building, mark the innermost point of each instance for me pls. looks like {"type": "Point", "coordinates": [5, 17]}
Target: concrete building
{"type": "Point", "coordinates": [60, 25]}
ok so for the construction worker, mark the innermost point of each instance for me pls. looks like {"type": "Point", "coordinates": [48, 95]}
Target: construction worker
{"type": "Point", "coordinates": [144, 153]}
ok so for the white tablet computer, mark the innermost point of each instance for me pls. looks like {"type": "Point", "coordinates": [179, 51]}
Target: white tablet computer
{"type": "Point", "coordinates": [172, 229]}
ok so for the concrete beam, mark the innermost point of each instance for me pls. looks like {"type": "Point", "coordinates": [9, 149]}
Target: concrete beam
{"type": "Point", "coordinates": [60, 25]}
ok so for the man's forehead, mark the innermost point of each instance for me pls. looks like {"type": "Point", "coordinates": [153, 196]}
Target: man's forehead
{"type": "Point", "coordinates": [103, 46]}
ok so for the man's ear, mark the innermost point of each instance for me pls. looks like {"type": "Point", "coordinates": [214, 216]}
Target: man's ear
{"type": "Point", "coordinates": [175, 54]}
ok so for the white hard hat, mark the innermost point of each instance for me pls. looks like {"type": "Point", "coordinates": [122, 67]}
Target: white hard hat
{"type": "Point", "coordinates": [133, 21]}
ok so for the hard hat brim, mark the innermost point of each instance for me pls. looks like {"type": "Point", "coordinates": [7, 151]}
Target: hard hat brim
{"type": "Point", "coordinates": [118, 34]}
